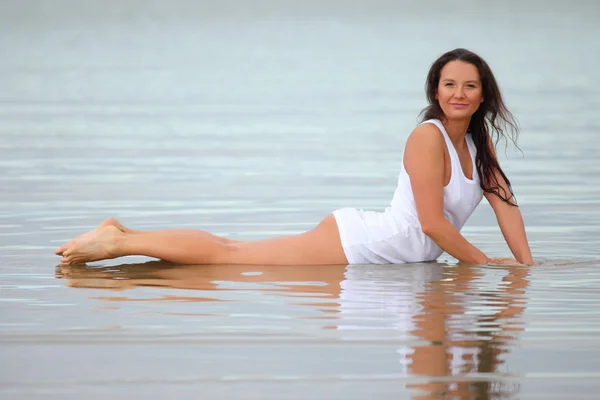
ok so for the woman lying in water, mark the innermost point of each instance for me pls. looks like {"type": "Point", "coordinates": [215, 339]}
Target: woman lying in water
{"type": "Point", "coordinates": [449, 164]}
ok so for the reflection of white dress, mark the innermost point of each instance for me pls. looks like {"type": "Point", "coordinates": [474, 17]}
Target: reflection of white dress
{"type": "Point", "coordinates": [395, 235]}
{"type": "Point", "coordinates": [386, 298]}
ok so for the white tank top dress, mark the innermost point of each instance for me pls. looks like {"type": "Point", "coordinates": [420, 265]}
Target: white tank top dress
{"type": "Point", "coordinates": [394, 236]}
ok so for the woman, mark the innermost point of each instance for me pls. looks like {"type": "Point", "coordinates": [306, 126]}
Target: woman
{"type": "Point", "coordinates": [449, 164]}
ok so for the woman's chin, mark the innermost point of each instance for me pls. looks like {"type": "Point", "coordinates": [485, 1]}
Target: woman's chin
{"type": "Point", "coordinates": [458, 115]}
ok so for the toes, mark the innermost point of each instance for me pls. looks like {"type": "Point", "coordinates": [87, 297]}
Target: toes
{"type": "Point", "coordinates": [70, 257]}
{"type": "Point", "coordinates": [70, 261]}
{"type": "Point", "coordinates": [61, 250]}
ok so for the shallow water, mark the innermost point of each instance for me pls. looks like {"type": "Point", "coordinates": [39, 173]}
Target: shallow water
{"type": "Point", "coordinates": [253, 121]}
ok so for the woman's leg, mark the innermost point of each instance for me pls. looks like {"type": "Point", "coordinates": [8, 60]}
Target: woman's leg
{"type": "Point", "coordinates": [182, 230]}
{"type": "Point", "coordinates": [319, 246]}
{"type": "Point", "coordinates": [114, 222]}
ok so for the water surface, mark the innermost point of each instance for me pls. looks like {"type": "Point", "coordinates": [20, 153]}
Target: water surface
{"type": "Point", "coordinates": [257, 120]}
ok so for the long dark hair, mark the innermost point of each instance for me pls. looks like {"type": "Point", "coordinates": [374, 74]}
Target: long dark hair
{"type": "Point", "coordinates": [492, 118]}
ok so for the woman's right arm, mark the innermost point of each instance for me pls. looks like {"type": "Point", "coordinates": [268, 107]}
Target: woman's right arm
{"type": "Point", "coordinates": [424, 163]}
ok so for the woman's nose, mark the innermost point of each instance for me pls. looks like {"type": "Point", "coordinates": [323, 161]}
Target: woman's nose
{"type": "Point", "coordinates": [459, 93]}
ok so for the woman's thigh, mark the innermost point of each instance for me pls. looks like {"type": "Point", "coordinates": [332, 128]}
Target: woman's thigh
{"type": "Point", "coordinates": [319, 246]}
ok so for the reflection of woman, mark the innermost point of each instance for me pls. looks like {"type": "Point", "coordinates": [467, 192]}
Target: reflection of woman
{"type": "Point", "coordinates": [449, 163]}
{"type": "Point", "coordinates": [469, 318]}
{"type": "Point", "coordinates": [454, 320]}
{"type": "Point", "coordinates": [465, 315]}
{"type": "Point", "coordinates": [164, 275]}
{"type": "Point", "coordinates": [387, 299]}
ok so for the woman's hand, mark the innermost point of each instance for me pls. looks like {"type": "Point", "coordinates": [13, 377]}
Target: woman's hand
{"type": "Point", "coordinates": [505, 261]}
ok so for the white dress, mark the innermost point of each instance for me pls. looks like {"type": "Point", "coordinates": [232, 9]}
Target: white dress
{"type": "Point", "coordinates": [394, 235]}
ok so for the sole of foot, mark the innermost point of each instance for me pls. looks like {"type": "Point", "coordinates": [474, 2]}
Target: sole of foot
{"type": "Point", "coordinates": [108, 222]}
{"type": "Point", "coordinates": [99, 245]}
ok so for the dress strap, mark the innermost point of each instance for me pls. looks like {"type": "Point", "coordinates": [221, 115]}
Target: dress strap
{"type": "Point", "coordinates": [455, 161]}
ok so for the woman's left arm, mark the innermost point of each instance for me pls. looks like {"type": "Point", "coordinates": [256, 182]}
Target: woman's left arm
{"type": "Point", "coordinates": [512, 227]}
{"type": "Point", "coordinates": [510, 221]}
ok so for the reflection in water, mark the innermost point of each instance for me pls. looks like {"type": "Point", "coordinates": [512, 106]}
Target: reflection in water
{"type": "Point", "coordinates": [454, 324]}
{"type": "Point", "coordinates": [466, 318]}
{"type": "Point", "coordinates": [322, 281]}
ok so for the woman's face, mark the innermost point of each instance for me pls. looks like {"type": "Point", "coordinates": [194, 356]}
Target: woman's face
{"type": "Point", "coordinates": [459, 91]}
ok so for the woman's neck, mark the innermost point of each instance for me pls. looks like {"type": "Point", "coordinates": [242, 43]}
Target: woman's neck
{"type": "Point", "coordinates": [457, 129]}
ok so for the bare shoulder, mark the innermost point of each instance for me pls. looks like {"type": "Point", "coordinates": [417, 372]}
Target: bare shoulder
{"type": "Point", "coordinates": [425, 140]}
{"type": "Point", "coordinates": [425, 134]}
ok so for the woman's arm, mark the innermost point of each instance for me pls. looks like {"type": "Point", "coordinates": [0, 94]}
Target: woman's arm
{"type": "Point", "coordinates": [510, 221]}
{"type": "Point", "coordinates": [512, 227]}
{"type": "Point", "coordinates": [424, 163]}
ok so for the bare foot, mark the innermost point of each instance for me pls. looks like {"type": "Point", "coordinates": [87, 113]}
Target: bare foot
{"type": "Point", "coordinates": [85, 236]}
{"type": "Point", "coordinates": [98, 245]}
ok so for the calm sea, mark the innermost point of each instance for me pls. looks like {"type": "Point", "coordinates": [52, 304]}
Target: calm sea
{"type": "Point", "coordinates": [258, 118]}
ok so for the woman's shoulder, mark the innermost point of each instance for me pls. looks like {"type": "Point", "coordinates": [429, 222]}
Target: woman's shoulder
{"type": "Point", "coordinates": [426, 138]}
{"type": "Point", "coordinates": [429, 130]}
